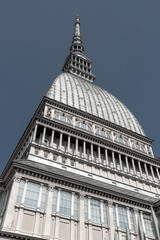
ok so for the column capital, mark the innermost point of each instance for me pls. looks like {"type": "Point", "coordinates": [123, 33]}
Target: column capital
{"type": "Point", "coordinates": [81, 195]}
{"type": "Point", "coordinates": [51, 188]}
{"type": "Point", "coordinates": [17, 179]}
{"type": "Point", "coordinates": [110, 203]}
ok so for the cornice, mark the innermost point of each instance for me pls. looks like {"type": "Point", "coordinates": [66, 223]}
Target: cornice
{"type": "Point", "coordinates": [18, 236]}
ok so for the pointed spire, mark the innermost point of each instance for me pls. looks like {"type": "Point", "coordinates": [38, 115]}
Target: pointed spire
{"type": "Point", "coordinates": [77, 39]}
{"type": "Point", "coordinates": [77, 63]}
{"type": "Point", "coordinates": [77, 27]}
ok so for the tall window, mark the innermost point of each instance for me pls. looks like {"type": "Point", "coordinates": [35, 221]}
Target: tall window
{"type": "Point", "coordinates": [62, 118]}
{"type": "Point", "coordinates": [83, 125]}
{"type": "Point", "coordinates": [95, 210]}
{"type": "Point", "coordinates": [123, 217]}
{"type": "Point", "coordinates": [102, 133]}
{"type": "Point", "coordinates": [31, 195]}
{"type": "Point", "coordinates": [65, 203]}
{"type": "Point", "coordinates": [147, 218]}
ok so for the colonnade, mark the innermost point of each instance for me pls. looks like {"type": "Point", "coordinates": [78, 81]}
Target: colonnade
{"type": "Point", "coordinates": [95, 153]}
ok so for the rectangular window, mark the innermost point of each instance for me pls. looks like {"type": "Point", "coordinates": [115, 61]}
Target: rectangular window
{"type": "Point", "coordinates": [32, 194]}
{"type": "Point", "coordinates": [125, 218]}
{"type": "Point", "coordinates": [20, 192]}
{"type": "Point", "coordinates": [95, 210]}
{"type": "Point", "coordinates": [75, 206]}
{"type": "Point", "coordinates": [65, 203]}
{"type": "Point", "coordinates": [114, 216]}
{"type": "Point", "coordinates": [147, 218]}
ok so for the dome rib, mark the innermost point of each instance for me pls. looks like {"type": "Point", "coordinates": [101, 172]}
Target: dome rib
{"type": "Point", "coordinates": [85, 96]}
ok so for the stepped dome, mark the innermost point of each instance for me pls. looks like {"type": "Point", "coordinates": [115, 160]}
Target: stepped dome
{"type": "Point", "coordinates": [81, 94]}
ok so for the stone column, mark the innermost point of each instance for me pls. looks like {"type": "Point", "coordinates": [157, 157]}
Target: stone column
{"type": "Point", "coordinates": [136, 219]}
{"type": "Point", "coordinates": [116, 205]}
{"type": "Point", "coordinates": [35, 132]}
{"type": "Point", "coordinates": [60, 140]}
{"type": "Point", "coordinates": [126, 158]}
{"type": "Point", "coordinates": [69, 143]}
{"type": "Point", "coordinates": [143, 225]}
{"type": "Point", "coordinates": [153, 176]}
{"type": "Point", "coordinates": [5, 201]}
{"type": "Point", "coordinates": [120, 162]}
{"type": "Point", "coordinates": [24, 192]}
{"type": "Point", "coordinates": [48, 219]}
{"type": "Point", "coordinates": [146, 170]}
{"type": "Point", "coordinates": [140, 169]}
{"type": "Point", "coordinates": [106, 157]}
{"type": "Point", "coordinates": [113, 158]}
{"type": "Point", "coordinates": [84, 149]}
{"type": "Point", "coordinates": [81, 232]}
{"type": "Point", "coordinates": [76, 152]}
{"type": "Point", "coordinates": [8, 217]}
{"type": "Point", "coordinates": [99, 154]}
{"type": "Point", "coordinates": [129, 221]}
{"type": "Point", "coordinates": [110, 220]}
{"type": "Point", "coordinates": [102, 217]}
{"type": "Point", "coordinates": [57, 215]}
{"type": "Point", "coordinates": [134, 169]}
{"type": "Point", "coordinates": [40, 196]}
{"type": "Point", "coordinates": [58, 200]}
{"type": "Point", "coordinates": [36, 224]}
{"type": "Point", "coordinates": [20, 214]}
{"type": "Point", "coordinates": [19, 220]}
{"type": "Point", "coordinates": [44, 135]}
{"type": "Point", "coordinates": [91, 151]}
{"type": "Point", "coordinates": [158, 173]}
{"type": "Point", "coordinates": [52, 138]}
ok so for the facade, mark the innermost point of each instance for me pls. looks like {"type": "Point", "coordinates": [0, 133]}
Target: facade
{"type": "Point", "coordinates": [83, 169]}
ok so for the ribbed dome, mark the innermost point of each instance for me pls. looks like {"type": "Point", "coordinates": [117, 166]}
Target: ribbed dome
{"type": "Point", "coordinates": [84, 95]}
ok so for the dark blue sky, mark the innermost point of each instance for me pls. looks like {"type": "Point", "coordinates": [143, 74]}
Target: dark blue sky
{"type": "Point", "coordinates": [121, 37]}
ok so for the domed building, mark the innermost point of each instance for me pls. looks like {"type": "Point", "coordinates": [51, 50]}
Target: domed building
{"type": "Point", "coordinates": [83, 169]}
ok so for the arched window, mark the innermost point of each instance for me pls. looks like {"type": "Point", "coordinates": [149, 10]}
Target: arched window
{"type": "Point", "coordinates": [102, 133]}
{"type": "Point", "coordinates": [138, 147]}
{"type": "Point", "coordinates": [63, 118]}
{"type": "Point", "coordinates": [83, 125]}
{"type": "Point", "coordinates": [121, 140]}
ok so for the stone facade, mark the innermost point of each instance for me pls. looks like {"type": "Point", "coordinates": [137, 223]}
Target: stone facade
{"type": "Point", "coordinates": [77, 176]}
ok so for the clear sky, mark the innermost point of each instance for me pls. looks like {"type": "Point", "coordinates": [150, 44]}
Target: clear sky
{"type": "Point", "coordinates": [121, 37]}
